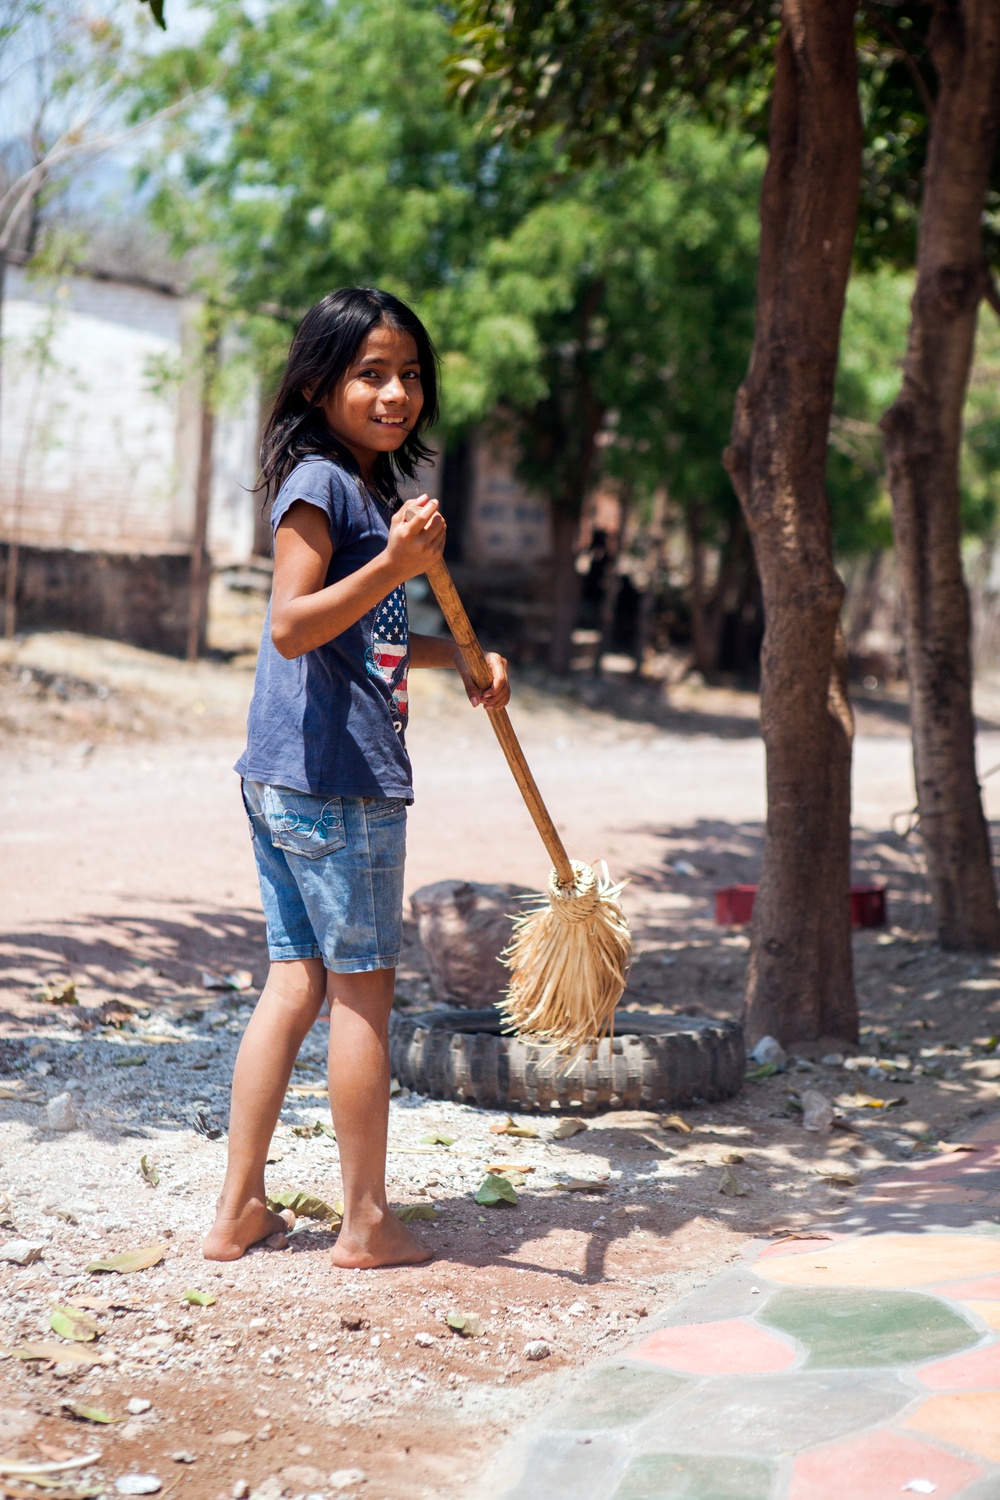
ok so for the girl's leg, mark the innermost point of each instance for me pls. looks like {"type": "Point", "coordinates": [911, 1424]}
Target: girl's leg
{"type": "Point", "coordinates": [288, 1006]}
{"type": "Point", "coordinates": [359, 1099]}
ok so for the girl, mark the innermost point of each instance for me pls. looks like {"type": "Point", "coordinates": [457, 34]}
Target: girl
{"type": "Point", "coordinates": [326, 777]}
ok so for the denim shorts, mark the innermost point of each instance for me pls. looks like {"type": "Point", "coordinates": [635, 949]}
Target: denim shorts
{"type": "Point", "coordinates": [331, 876]}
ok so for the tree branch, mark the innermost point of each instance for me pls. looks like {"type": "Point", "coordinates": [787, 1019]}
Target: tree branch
{"type": "Point", "coordinates": [22, 190]}
{"type": "Point", "coordinates": [919, 82]}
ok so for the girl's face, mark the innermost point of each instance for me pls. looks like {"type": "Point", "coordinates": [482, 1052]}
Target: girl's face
{"type": "Point", "coordinates": [378, 400]}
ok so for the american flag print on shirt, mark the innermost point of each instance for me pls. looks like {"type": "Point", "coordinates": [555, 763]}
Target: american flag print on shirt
{"type": "Point", "coordinates": [388, 656]}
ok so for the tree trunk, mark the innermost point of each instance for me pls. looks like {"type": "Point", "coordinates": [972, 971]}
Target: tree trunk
{"type": "Point", "coordinates": [923, 435]}
{"type": "Point", "coordinates": [201, 562]}
{"type": "Point", "coordinates": [800, 981]}
{"type": "Point", "coordinates": [565, 591]}
{"type": "Point", "coordinates": [700, 650]}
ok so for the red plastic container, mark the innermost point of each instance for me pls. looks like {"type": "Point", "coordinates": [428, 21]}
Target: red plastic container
{"type": "Point", "coordinates": [734, 905]}
{"type": "Point", "coordinates": [868, 907]}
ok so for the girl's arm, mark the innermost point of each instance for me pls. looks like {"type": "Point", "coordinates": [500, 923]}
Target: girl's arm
{"type": "Point", "coordinates": [441, 651]}
{"type": "Point", "coordinates": [304, 612]}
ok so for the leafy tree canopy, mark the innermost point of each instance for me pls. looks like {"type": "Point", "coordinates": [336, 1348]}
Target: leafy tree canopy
{"type": "Point", "coordinates": [613, 75]}
{"type": "Point", "coordinates": [612, 301]}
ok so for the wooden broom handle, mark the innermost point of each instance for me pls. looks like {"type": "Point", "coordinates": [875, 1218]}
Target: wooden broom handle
{"type": "Point", "coordinates": [460, 626]}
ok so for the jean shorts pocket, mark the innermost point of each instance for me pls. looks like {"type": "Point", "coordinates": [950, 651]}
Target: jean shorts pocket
{"type": "Point", "coordinates": [377, 808]}
{"type": "Point", "coordinates": [302, 824]}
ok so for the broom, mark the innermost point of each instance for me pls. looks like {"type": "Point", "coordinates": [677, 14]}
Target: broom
{"type": "Point", "coordinates": [570, 953]}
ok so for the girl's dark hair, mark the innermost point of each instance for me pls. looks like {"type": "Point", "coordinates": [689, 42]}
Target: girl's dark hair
{"type": "Point", "coordinates": [325, 343]}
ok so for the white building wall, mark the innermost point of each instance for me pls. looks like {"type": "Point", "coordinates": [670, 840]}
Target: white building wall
{"type": "Point", "coordinates": [100, 422]}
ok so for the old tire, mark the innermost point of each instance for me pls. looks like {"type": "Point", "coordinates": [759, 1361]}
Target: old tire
{"type": "Point", "coordinates": [653, 1062]}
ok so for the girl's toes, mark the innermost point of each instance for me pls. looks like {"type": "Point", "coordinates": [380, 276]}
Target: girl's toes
{"type": "Point", "coordinates": [281, 1223]}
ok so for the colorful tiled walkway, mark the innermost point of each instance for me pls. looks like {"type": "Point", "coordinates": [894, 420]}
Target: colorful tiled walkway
{"type": "Point", "coordinates": [859, 1365]}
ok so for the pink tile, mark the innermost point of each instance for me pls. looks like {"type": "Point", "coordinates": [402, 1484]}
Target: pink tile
{"type": "Point", "coordinates": [800, 1247]}
{"type": "Point", "coordinates": [729, 1347]}
{"type": "Point", "coordinates": [955, 1164]}
{"type": "Point", "coordinates": [976, 1371]}
{"type": "Point", "coordinates": [890, 1260]}
{"type": "Point", "coordinates": [988, 1132]}
{"type": "Point", "coordinates": [965, 1419]}
{"type": "Point", "coordinates": [925, 1192]}
{"type": "Point", "coordinates": [875, 1466]}
{"type": "Point", "coordinates": [980, 1289]}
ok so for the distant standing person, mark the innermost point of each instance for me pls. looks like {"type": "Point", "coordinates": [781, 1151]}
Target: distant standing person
{"type": "Point", "coordinates": [326, 777]}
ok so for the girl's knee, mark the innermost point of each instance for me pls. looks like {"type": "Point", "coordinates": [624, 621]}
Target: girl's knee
{"type": "Point", "coordinates": [299, 985]}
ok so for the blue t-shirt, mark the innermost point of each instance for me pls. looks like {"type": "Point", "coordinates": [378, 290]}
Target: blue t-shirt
{"type": "Point", "coordinates": [332, 721]}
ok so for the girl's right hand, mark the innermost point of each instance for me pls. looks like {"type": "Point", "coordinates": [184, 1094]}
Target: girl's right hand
{"type": "Point", "coordinates": [416, 537]}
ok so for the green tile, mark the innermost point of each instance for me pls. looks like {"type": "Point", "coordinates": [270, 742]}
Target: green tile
{"type": "Point", "coordinates": [846, 1329]}
{"type": "Point", "coordinates": [678, 1476]}
{"type": "Point", "coordinates": [614, 1396]}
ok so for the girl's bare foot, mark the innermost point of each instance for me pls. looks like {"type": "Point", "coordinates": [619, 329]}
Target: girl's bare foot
{"type": "Point", "coordinates": [232, 1234]}
{"type": "Point", "coordinates": [377, 1239]}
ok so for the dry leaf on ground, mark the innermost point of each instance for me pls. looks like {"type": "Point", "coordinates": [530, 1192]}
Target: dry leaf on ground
{"type": "Point", "coordinates": [494, 1190]}
{"type": "Point", "coordinates": [841, 1176]}
{"type": "Point", "coordinates": [866, 1101]}
{"type": "Point", "coordinates": [528, 1132]}
{"type": "Point", "coordinates": [24, 1469]}
{"type": "Point", "coordinates": [149, 1171]}
{"type": "Point", "coordinates": [60, 1354]}
{"type": "Point", "coordinates": [15, 1089]}
{"type": "Point", "coordinates": [87, 1413]}
{"type": "Point", "coordinates": [73, 1323]}
{"type": "Point", "coordinates": [317, 1128]}
{"type": "Point", "coordinates": [466, 1325]}
{"type": "Point", "coordinates": [567, 1128]}
{"type": "Point", "coordinates": [411, 1211]}
{"type": "Point", "coordinates": [60, 992]}
{"type": "Point", "coordinates": [129, 1260]}
{"type": "Point", "coordinates": [675, 1122]}
{"type": "Point", "coordinates": [198, 1299]}
{"type": "Point", "coordinates": [729, 1185]}
{"type": "Point", "coordinates": [305, 1206]}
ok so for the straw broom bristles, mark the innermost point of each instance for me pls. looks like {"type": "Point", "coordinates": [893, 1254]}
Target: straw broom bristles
{"type": "Point", "coordinates": [568, 959]}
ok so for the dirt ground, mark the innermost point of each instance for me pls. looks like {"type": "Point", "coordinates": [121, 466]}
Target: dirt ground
{"type": "Point", "coordinates": [127, 870]}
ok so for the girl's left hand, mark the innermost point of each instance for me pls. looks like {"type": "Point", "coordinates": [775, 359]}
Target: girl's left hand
{"type": "Point", "coordinates": [495, 696]}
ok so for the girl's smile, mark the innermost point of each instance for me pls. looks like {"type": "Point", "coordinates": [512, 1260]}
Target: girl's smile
{"type": "Point", "coordinates": [380, 397]}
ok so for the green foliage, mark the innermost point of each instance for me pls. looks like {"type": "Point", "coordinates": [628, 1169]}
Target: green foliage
{"type": "Point", "coordinates": [610, 76]}
{"type": "Point", "coordinates": [328, 156]}
{"type": "Point", "coordinates": [604, 311]}
{"type": "Point", "coordinates": [619, 323]}
{"type": "Point", "coordinates": [872, 345]}
{"type": "Point", "coordinates": [607, 311]}
{"type": "Point", "coordinates": [980, 470]}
